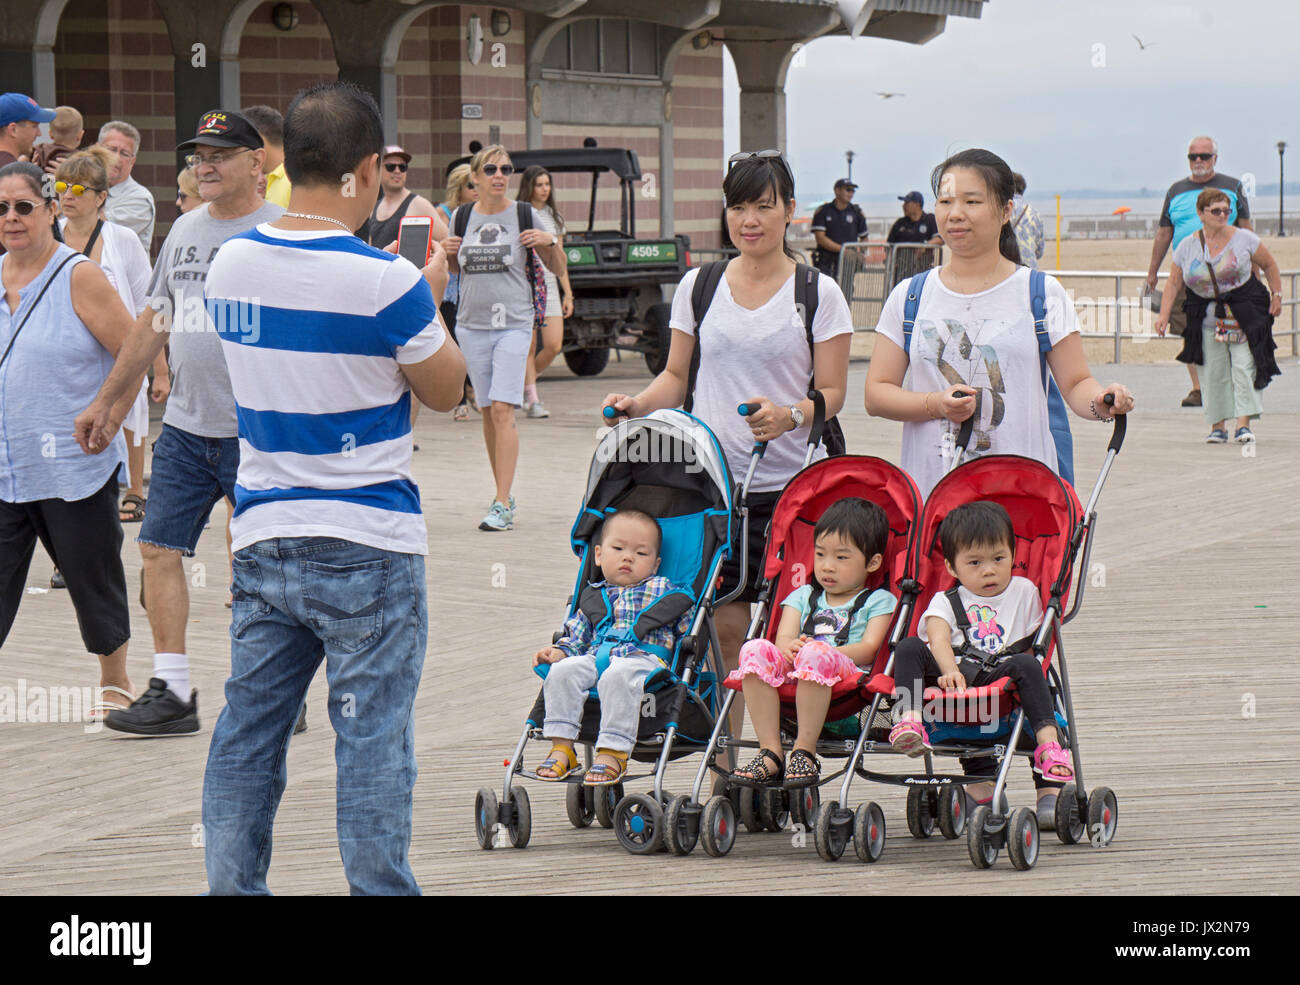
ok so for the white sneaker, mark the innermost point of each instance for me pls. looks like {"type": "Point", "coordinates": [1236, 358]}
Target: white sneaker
{"type": "Point", "coordinates": [536, 411]}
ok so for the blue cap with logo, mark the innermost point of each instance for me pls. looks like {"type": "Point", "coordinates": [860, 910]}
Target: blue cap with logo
{"type": "Point", "coordinates": [916, 197]}
{"type": "Point", "coordinates": [15, 107]}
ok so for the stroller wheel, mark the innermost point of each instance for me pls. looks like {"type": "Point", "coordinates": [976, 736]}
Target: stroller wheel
{"type": "Point", "coordinates": [718, 826]}
{"type": "Point", "coordinates": [486, 814]}
{"type": "Point", "coordinates": [1022, 838]}
{"type": "Point", "coordinates": [869, 831]}
{"type": "Point", "coordinates": [804, 803]}
{"type": "Point", "coordinates": [1069, 822]}
{"type": "Point", "coordinates": [772, 810]}
{"type": "Point", "coordinates": [981, 843]}
{"type": "Point", "coordinates": [606, 800]}
{"type": "Point", "coordinates": [1103, 816]}
{"type": "Point", "coordinates": [952, 811]}
{"type": "Point", "coordinates": [921, 805]}
{"type": "Point", "coordinates": [580, 804]}
{"type": "Point", "coordinates": [639, 824]}
{"type": "Point", "coordinates": [681, 825]}
{"type": "Point", "coordinates": [750, 810]}
{"type": "Point", "coordinates": [520, 827]}
{"type": "Point", "coordinates": [832, 830]}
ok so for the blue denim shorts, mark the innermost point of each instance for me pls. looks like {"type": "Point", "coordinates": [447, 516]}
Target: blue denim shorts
{"type": "Point", "coordinates": [189, 475]}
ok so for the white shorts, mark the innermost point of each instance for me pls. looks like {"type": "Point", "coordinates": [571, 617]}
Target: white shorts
{"type": "Point", "coordinates": [496, 359]}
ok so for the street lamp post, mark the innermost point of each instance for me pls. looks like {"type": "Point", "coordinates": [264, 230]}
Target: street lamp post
{"type": "Point", "coordinates": [1281, 186]}
{"type": "Point", "coordinates": [848, 156]}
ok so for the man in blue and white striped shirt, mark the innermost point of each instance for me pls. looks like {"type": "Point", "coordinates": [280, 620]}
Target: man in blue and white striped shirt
{"type": "Point", "coordinates": [325, 339]}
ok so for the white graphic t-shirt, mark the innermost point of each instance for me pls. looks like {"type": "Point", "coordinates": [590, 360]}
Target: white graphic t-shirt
{"type": "Point", "coordinates": [995, 620]}
{"type": "Point", "coordinates": [986, 343]}
{"type": "Point", "coordinates": [494, 287]}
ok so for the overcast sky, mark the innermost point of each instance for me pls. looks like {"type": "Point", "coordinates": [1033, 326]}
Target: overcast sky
{"type": "Point", "coordinates": [1021, 81]}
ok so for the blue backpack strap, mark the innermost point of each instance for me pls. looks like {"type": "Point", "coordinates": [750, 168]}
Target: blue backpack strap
{"type": "Point", "coordinates": [913, 301]}
{"type": "Point", "coordinates": [1057, 413]}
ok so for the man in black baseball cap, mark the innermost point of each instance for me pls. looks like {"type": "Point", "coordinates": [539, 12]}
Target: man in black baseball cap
{"type": "Point", "coordinates": [196, 457]}
{"type": "Point", "coordinates": [915, 226]}
{"type": "Point", "coordinates": [835, 224]}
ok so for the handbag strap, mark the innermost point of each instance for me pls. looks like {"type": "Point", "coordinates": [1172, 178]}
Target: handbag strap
{"type": "Point", "coordinates": [44, 287]}
{"type": "Point", "coordinates": [1209, 263]}
{"type": "Point", "coordinates": [90, 243]}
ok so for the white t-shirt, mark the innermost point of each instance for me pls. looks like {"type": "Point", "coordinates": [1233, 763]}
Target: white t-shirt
{"type": "Point", "coordinates": [995, 620]}
{"type": "Point", "coordinates": [985, 341]}
{"type": "Point", "coordinates": [760, 353]}
{"type": "Point", "coordinates": [1231, 266]}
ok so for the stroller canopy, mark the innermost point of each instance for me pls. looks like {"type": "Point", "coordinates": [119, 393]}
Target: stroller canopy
{"type": "Point", "coordinates": [667, 464]}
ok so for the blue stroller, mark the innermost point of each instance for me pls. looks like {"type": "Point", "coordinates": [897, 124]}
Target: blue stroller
{"type": "Point", "coordinates": [670, 466]}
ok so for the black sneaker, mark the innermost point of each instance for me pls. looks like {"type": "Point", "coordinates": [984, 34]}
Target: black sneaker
{"type": "Point", "coordinates": [301, 726]}
{"type": "Point", "coordinates": [157, 712]}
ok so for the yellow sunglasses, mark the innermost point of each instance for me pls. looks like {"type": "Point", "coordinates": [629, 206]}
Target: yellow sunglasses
{"type": "Point", "coordinates": [78, 190]}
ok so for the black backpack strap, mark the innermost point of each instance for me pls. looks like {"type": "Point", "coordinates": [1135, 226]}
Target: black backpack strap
{"type": "Point", "coordinates": [460, 223]}
{"type": "Point", "coordinates": [807, 293]}
{"type": "Point", "coordinates": [706, 285]}
{"type": "Point", "coordinates": [524, 213]}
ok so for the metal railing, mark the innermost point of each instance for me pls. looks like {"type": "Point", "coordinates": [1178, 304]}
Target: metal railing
{"type": "Point", "coordinates": [1105, 308]}
{"type": "Point", "coordinates": [870, 269]}
{"type": "Point", "coordinates": [1106, 312]}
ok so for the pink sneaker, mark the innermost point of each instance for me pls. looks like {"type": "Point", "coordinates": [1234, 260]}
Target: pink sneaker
{"type": "Point", "coordinates": [909, 737]}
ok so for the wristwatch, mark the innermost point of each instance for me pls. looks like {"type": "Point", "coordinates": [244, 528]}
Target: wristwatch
{"type": "Point", "coordinates": [796, 415]}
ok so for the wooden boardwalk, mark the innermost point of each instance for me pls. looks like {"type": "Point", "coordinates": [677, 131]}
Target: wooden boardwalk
{"type": "Point", "coordinates": [1197, 620]}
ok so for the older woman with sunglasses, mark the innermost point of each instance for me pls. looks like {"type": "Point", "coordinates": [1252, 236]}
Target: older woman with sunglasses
{"type": "Point", "coordinates": [753, 349]}
{"type": "Point", "coordinates": [61, 324]}
{"type": "Point", "coordinates": [81, 183]}
{"type": "Point", "coordinates": [1234, 314]}
{"type": "Point", "coordinates": [494, 316]}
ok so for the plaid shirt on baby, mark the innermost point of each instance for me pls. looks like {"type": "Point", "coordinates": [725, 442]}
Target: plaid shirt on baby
{"type": "Point", "coordinates": [626, 604]}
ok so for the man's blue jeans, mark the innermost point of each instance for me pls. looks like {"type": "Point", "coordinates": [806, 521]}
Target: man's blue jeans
{"type": "Point", "coordinates": [362, 609]}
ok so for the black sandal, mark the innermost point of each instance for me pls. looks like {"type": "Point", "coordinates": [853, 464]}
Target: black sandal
{"type": "Point", "coordinates": [757, 768]}
{"type": "Point", "coordinates": [804, 769]}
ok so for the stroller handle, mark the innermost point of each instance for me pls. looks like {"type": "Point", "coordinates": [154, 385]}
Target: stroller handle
{"type": "Point", "coordinates": [744, 410]}
{"type": "Point", "coordinates": [1121, 425]}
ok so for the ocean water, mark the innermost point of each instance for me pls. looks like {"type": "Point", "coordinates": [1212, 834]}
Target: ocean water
{"type": "Point", "coordinates": [1046, 206]}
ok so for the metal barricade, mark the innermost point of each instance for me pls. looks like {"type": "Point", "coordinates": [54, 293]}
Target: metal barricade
{"type": "Point", "coordinates": [870, 269]}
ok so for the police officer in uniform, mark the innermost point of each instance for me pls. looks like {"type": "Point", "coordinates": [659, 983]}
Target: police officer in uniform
{"type": "Point", "coordinates": [916, 226]}
{"type": "Point", "coordinates": [835, 224]}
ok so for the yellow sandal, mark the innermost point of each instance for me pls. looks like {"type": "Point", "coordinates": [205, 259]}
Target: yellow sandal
{"type": "Point", "coordinates": [602, 775]}
{"type": "Point", "coordinates": [562, 762]}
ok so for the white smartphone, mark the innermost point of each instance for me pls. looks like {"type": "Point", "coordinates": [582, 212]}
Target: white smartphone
{"type": "Point", "coordinates": [415, 239]}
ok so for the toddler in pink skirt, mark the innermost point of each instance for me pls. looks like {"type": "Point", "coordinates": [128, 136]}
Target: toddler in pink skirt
{"type": "Point", "coordinates": [830, 631]}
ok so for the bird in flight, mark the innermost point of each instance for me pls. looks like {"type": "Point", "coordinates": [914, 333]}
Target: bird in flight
{"type": "Point", "coordinates": [890, 95]}
{"type": "Point", "coordinates": [1143, 46]}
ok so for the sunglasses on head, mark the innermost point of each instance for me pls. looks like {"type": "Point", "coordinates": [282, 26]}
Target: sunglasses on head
{"type": "Point", "coordinates": [773, 155]}
{"type": "Point", "coordinates": [396, 166]}
{"type": "Point", "coordinates": [506, 169]}
{"type": "Point", "coordinates": [22, 207]}
{"type": "Point", "coordinates": [78, 190]}
{"type": "Point", "coordinates": [1221, 211]}
{"type": "Point", "coordinates": [1200, 157]}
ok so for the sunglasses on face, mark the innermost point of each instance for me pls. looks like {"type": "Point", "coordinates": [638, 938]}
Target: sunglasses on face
{"type": "Point", "coordinates": [1219, 211]}
{"type": "Point", "coordinates": [773, 155]}
{"type": "Point", "coordinates": [506, 169]}
{"type": "Point", "coordinates": [22, 207]}
{"type": "Point", "coordinates": [78, 190]}
{"type": "Point", "coordinates": [396, 166]}
{"type": "Point", "coordinates": [1200, 157]}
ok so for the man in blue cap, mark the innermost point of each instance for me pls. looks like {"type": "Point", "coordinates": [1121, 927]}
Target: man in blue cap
{"type": "Point", "coordinates": [915, 226]}
{"type": "Point", "coordinates": [20, 124]}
